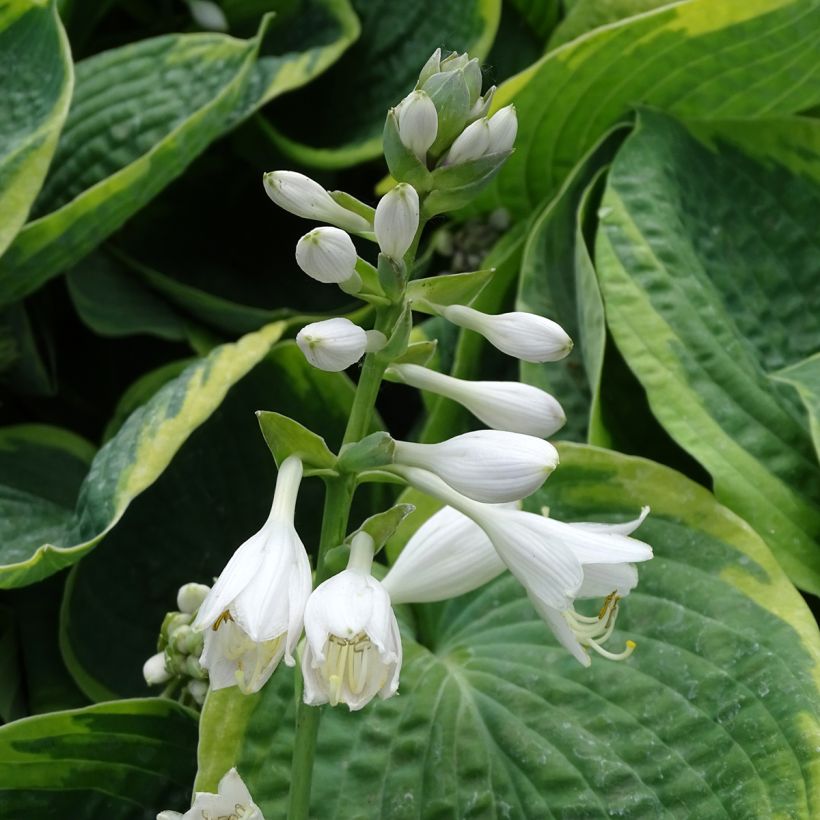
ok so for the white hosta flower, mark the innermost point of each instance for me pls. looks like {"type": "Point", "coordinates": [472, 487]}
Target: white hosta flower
{"type": "Point", "coordinates": [233, 801]}
{"type": "Point", "coordinates": [555, 562]}
{"type": "Point", "coordinates": [155, 671]}
{"type": "Point", "coordinates": [485, 465]}
{"type": "Point", "coordinates": [511, 406]}
{"type": "Point", "coordinates": [336, 344]}
{"type": "Point", "coordinates": [470, 144]}
{"type": "Point", "coordinates": [328, 255]}
{"type": "Point", "coordinates": [447, 556]}
{"type": "Point", "coordinates": [304, 197]}
{"type": "Point", "coordinates": [191, 596]}
{"type": "Point", "coordinates": [397, 220]}
{"type": "Point", "coordinates": [503, 127]}
{"type": "Point", "coordinates": [253, 614]}
{"type": "Point", "coordinates": [526, 336]}
{"type": "Point", "coordinates": [418, 122]}
{"type": "Point", "coordinates": [353, 648]}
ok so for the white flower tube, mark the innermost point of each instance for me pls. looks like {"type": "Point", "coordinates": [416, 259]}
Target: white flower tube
{"type": "Point", "coordinates": [336, 344]}
{"type": "Point", "coordinates": [526, 336]}
{"type": "Point", "coordinates": [327, 255]}
{"type": "Point", "coordinates": [233, 800]}
{"type": "Point", "coordinates": [304, 197]}
{"type": "Point", "coordinates": [417, 122]}
{"type": "Point", "coordinates": [397, 220]}
{"type": "Point", "coordinates": [253, 614]}
{"type": "Point", "coordinates": [470, 144]}
{"type": "Point", "coordinates": [503, 126]}
{"type": "Point", "coordinates": [485, 465]}
{"type": "Point", "coordinates": [353, 648]}
{"type": "Point", "coordinates": [511, 406]}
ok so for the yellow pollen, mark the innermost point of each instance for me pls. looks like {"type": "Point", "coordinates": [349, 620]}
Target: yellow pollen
{"type": "Point", "coordinates": [222, 619]}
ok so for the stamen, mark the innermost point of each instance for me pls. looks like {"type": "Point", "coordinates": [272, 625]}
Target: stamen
{"type": "Point", "coordinates": [593, 632]}
{"type": "Point", "coordinates": [222, 619]}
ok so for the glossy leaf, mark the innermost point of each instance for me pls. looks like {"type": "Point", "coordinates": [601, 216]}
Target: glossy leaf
{"type": "Point", "coordinates": [714, 715]}
{"type": "Point", "coordinates": [287, 437]}
{"type": "Point", "coordinates": [448, 289]}
{"type": "Point", "coordinates": [805, 378]}
{"type": "Point", "coordinates": [704, 298]}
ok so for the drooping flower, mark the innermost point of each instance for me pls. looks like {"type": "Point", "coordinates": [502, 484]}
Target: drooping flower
{"type": "Point", "coordinates": [526, 336]}
{"type": "Point", "coordinates": [353, 647]}
{"type": "Point", "coordinates": [328, 255]}
{"type": "Point", "coordinates": [397, 220]}
{"type": "Point", "coordinates": [254, 612]}
{"type": "Point", "coordinates": [336, 344]}
{"type": "Point", "coordinates": [486, 465]}
{"type": "Point", "coordinates": [233, 801]}
{"type": "Point", "coordinates": [555, 562]}
{"type": "Point", "coordinates": [417, 122]}
{"type": "Point", "coordinates": [511, 406]}
{"type": "Point", "coordinates": [304, 197]}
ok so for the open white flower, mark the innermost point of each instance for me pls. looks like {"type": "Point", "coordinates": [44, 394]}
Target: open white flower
{"type": "Point", "coordinates": [336, 344]}
{"type": "Point", "coordinates": [328, 255]}
{"type": "Point", "coordinates": [397, 220]}
{"type": "Point", "coordinates": [233, 801]}
{"type": "Point", "coordinates": [253, 614]}
{"type": "Point", "coordinates": [511, 406]}
{"type": "Point", "coordinates": [417, 122]}
{"type": "Point", "coordinates": [304, 197]}
{"type": "Point", "coordinates": [526, 336]}
{"type": "Point", "coordinates": [485, 465]}
{"type": "Point", "coordinates": [353, 648]}
{"type": "Point", "coordinates": [555, 562]}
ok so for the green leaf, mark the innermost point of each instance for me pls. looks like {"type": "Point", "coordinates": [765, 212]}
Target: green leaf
{"type": "Point", "coordinates": [36, 76]}
{"type": "Point", "coordinates": [714, 715]}
{"type": "Point", "coordinates": [755, 57]}
{"type": "Point", "coordinates": [12, 695]}
{"type": "Point", "coordinates": [115, 760]}
{"type": "Point", "coordinates": [338, 121]}
{"type": "Point", "coordinates": [709, 285]}
{"type": "Point", "coordinates": [555, 281]}
{"type": "Point", "coordinates": [196, 86]}
{"type": "Point", "coordinates": [381, 526]}
{"type": "Point", "coordinates": [447, 289]}
{"type": "Point", "coordinates": [214, 493]}
{"type": "Point", "coordinates": [43, 533]}
{"type": "Point", "coordinates": [287, 437]}
{"type": "Point", "coordinates": [805, 378]}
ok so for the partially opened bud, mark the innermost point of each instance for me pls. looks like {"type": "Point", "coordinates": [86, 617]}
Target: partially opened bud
{"type": "Point", "coordinates": [397, 220]}
{"type": "Point", "coordinates": [503, 127]}
{"type": "Point", "coordinates": [470, 144]}
{"type": "Point", "coordinates": [526, 336]}
{"type": "Point", "coordinates": [304, 197]}
{"type": "Point", "coordinates": [327, 255]}
{"type": "Point", "coordinates": [155, 670]}
{"type": "Point", "coordinates": [485, 465]}
{"type": "Point", "coordinates": [333, 344]}
{"type": "Point", "coordinates": [418, 123]}
{"type": "Point", "coordinates": [511, 406]}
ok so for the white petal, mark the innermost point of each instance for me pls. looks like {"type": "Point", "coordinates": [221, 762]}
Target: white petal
{"type": "Point", "coordinates": [155, 671]}
{"type": "Point", "coordinates": [301, 584]}
{"type": "Point", "coordinates": [602, 579]}
{"type": "Point", "coordinates": [333, 344]}
{"type": "Point", "coordinates": [560, 628]}
{"type": "Point", "coordinates": [595, 546]}
{"type": "Point", "coordinates": [486, 465]}
{"type": "Point", "coordinates": [447, 556]}
{"type": "Point", "coordinates": [221, 669]}
{"type": "Point", "coordinates": [233, 789]}
{"type": "Point", "coordinates": [417, 122]}
{"type": "Point", "coordinates": [626, 528]}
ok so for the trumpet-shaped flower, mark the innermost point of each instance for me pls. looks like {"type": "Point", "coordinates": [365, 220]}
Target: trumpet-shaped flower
{"type": "Point", "coordinates": [336, 344]}
{"type": "Point", "coordinates": [304, 197]}
{"type": "Point", "coordinates": [526, 336]}
{"type": "Point", "coordinates": [555, 562]}
{"type": "Point", "coordinates": [328, 255]}
{"type": "Point", "coordinates": [485, 465]}
{"type": "Point", "coordinates": [253, 614]}
{"type": "Point", "coordinates": [417, 122]}
{"type": "Point", "coordinates": [353, 648]}
{"type": "Point", "coordinates": [511, 406]}
{"type": "Point", "coordinates": [397, 220]}
{"type": "Point", "coordinates": [503, 127]}
{"type": "Point", "coordinates": [233, 801]}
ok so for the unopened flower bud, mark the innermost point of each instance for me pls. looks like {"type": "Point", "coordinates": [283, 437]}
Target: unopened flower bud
{"type": "Point", "coordinates": [327, 255]}
{"type": "Point", "coordinates": [155, 671]}
{"type": "Point", "coordinates": [397, 220]}
{"type": "Point", "coordinates": [304, 197]}
{"type": "Point", "coordinates": [454, 61]}
{"type": "Point", "coordinates": [418, 123]}
{"type": "Point", "coordinates": [190, 597]}
{"type": "Point", "coordinates": [526, 336]}
{"type": "Point", "coordinates": [208, 15]}
{"type": "Point", "coordinates": [485, 465]}
{"type": "Point", "coordinates": [470, 144]}
{"type": "Point", "coordinates": [193, 668]}
{"type": "Point", "coordinates": [197, 689]}
{"type": "Point", "coordinates": [482, 104]}
{"type": "Point", "coordinates": [503, 127]}
{"type": "Point", "coordinates": [473, 78]}
{"type": "Point", "coordinates": [333, 344]}
{"type": "Point", "coordinates": [432, 66]}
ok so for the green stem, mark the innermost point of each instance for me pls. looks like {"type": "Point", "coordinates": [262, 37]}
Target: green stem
{"type": "Point", "coordinates": [364, 401]}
